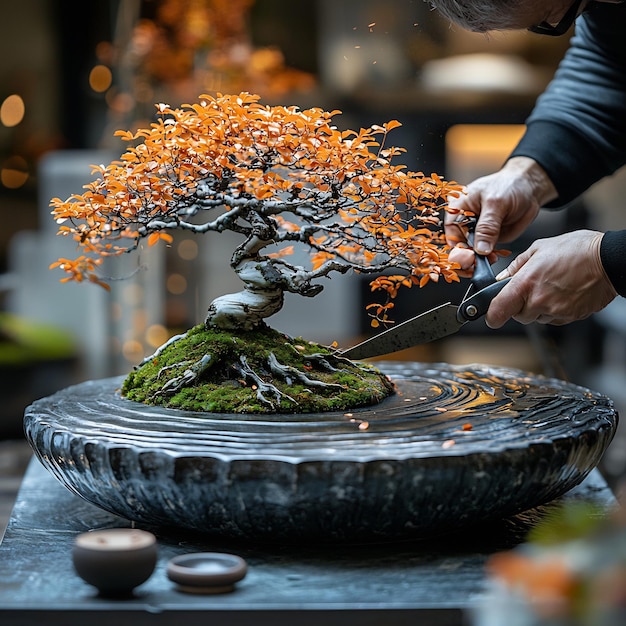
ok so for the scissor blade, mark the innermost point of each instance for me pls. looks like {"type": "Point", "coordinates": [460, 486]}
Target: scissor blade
{"type": "Point", "coordinates": [434, 324]}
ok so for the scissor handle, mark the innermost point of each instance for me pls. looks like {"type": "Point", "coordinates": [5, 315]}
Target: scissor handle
{"type": "Point", "coordinates": [483, 274]}
{"type": "Point", "coordinates": [485, 285]}
{"type": "Point", "coordinates": [477, 305]}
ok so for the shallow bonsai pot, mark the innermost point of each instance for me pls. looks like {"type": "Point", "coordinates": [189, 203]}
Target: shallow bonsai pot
{"type": "Point", "coordinates": [455, 446]}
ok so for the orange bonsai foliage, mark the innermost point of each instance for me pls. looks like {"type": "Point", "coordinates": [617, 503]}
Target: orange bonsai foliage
{"type": "Point", "coordinates": [278, 176]}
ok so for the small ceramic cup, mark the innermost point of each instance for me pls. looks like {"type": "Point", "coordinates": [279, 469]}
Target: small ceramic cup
{"type": "Point", "coordinates": [116, 560]}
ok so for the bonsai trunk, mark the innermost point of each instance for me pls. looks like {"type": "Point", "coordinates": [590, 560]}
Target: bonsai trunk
{"type": "Point", "coordinates": [244, 310]}
{"type": "Point", "coordinates": [265, 283]}
{"type": "Point", "coordinates": [261, 297]}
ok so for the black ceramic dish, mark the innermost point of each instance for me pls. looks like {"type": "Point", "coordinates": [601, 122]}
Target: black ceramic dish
{"type": "Point", "coordinates": [455, 446]}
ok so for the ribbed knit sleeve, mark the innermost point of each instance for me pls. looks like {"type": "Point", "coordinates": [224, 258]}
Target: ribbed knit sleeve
{"type": "Point", "coordinates": [613, 257]}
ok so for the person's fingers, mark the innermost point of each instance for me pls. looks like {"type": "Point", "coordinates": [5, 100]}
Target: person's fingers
{"type": "Point", "coordinates": [507, 304]}
{"type": "Point", "coordinates": [455, 234]}
{"type": "Point", "coordinates": [511, 301]}
{"type": "Point", "coordinates": [463, 256]}
{"type": "Point", "coordinates": [515, 265]}
{"type": "Point", "coordinates": [487, 231]}
{"type": "Point", "coordinates": [455, 220]}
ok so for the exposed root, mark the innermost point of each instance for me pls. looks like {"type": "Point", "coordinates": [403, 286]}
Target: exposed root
{"type": "Point", "coordinates": [188, 377]}
{"type": "Point", "coordinates": [263, 389]}
{"type": "Point", "coordinates": [167, 368]}
{"type": "Point", "coordinates": [160, 349]}
{"type": "Point", "coordinates": [291, 374]}
{"type": "Point", "coordinates": [330, 362]}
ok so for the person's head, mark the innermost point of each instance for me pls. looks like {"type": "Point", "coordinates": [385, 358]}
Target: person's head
{"type": "Point", "coordinates": [548, 17]}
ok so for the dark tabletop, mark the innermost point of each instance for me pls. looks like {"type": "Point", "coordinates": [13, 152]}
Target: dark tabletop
{"type": "Point", "coordinates": [437, 581]}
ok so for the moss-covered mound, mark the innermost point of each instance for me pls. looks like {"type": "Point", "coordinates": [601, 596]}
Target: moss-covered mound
{"type": "Point", "coordinates": [260, 371]}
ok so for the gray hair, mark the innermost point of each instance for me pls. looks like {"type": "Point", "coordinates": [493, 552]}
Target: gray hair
{"type": "Point", "coordinates": [480, 15]}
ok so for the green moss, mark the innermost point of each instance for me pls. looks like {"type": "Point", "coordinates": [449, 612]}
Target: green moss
{"type": "Point", "coordinates": [233, 365]}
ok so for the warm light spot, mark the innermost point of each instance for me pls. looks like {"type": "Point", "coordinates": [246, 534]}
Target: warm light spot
{"type": "Point", "coordinates": [157, 335]}
{"type": "Point", "coordinates": [14, 172]}
{"type": "Point", "coordinates": [110, 97]}
{"type": "Point", "coordinates": [132, 351]}
{"type": "Point", "coordinates": [105, 52]}
{"type": "Point", "coordinates": [116, 311]}
{"type": "Point", "coordinates": [100, 78]}
{"type": "Point", "coordinates": [12, 110]}
{"type": "Point", "coordinates": [188, 249]}
{"type": "Point", "coordinates": [132, 295]}
{"type": "Point", "coordinates": [120, 102]}
{"type": "Point", "coordinates": [473, 150]}
{"type": "Point", "coordinates": [176, 284]}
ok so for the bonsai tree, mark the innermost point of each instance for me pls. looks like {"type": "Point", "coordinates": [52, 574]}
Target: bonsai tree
{"type": "Point", "coordinates": [279, 177]}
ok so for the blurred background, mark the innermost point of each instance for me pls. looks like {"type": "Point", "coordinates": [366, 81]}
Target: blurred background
{"type": "Point", "coordinates": [73, 72]}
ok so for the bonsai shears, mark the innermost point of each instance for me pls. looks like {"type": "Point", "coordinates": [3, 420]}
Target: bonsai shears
{"type": "Point", "coordinates": [445, 319]}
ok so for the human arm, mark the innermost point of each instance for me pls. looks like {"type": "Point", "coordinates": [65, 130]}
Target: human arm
{"type": "Point", "coordinates": [577, 130]}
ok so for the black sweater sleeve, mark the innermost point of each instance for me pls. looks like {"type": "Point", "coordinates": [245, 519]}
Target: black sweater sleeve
{"type": "Point", "coordinates": [613, 257]}
{"type": "Point", "coordinates": [577, 130]}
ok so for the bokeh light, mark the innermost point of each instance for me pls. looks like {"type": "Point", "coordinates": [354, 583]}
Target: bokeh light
{"type": "Point", "coordinates": [132, 351]}
{"type": "Point", "coordinates": [132, 295]}
{"type": "Point", "coordinates": [188, 249]}
{"type": "Point", "coordinates": [157, 335]}
{"type": "Point", "coordinates": [14, 172]}
{"type": "Point", "coordinates": [100, 78]}
{"type": "Point", "coordinates": [12, 110]}
{"type": "Point", "coordinates": [176, 284]}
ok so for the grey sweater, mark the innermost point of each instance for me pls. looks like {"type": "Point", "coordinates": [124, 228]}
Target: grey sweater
{"type": "Point", "coordinates": [577, 130]}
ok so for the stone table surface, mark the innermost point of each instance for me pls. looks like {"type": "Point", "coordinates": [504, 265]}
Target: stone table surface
{"type": "Point", "coordinates": [436, 581]}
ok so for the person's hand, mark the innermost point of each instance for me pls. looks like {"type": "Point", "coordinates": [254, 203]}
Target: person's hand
{"type": "Point", "coordinates": [556, 281]}
{"type": "Point", "coordinates": [506, 203]}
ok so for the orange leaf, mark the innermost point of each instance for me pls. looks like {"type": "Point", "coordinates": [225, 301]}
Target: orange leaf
{"type": "Point", "coordinates": [391, 125]}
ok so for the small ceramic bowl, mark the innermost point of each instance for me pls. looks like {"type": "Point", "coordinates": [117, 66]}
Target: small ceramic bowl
{"type": "Point", "coordinates": [116, 560]}
{"type": "Point", "coordinates": [206, 572]}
